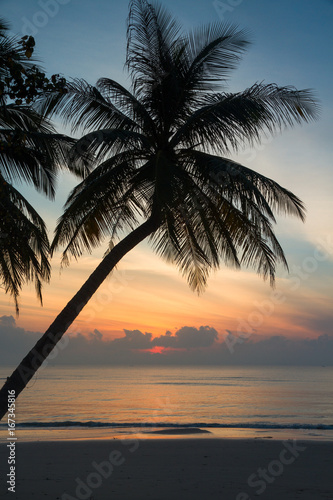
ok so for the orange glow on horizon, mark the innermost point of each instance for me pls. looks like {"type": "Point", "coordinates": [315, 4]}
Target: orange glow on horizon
{"type": "Point", "coordinates": [155, 350]}
{"type": "Point", "coordinates": [147, 294]}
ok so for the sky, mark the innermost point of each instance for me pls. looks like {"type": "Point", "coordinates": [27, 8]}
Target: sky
{"type": "Point", "coordinates": [240, 317]}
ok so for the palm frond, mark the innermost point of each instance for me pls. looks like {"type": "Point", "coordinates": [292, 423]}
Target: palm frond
{"type": "Point", "coordinates": [24, 246]}
{"type": "Point", "coordinates": [214, 51]}
{"type": "Point", "coordinates": [126, 101]}
{"type": "Point", "coordinates": [97, 206]}
{"type": "Point", "coordinates": [236, 182]}
{"type": "Point", "coordinates": [228, 121]}
{"type": "Point", "coordinates": [151, 33]}
{"type": "Point", "coordinates": [83, 106]}
{"type": "Point", "coordinates": [96, 146]}
{"type": "Point", "coordinates": [36, 158]}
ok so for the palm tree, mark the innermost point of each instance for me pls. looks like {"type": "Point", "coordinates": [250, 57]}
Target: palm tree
{"type": "Point", "coordinates": [161, 171]}
{"type": "Point", "coordinates": [30, 152]}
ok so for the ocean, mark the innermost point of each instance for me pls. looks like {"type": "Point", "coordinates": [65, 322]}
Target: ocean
{"type": "Point", "coordinates": [103, 402]}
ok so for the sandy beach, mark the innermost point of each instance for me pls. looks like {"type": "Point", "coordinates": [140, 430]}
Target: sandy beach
{"type": "Point", "coordinates": [169, 467]}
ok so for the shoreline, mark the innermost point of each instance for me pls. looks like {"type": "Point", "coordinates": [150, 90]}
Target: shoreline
{"type": "Point", "coordinates": [76, 433]}
{"type": "Point", "coordinates": [171, 467]}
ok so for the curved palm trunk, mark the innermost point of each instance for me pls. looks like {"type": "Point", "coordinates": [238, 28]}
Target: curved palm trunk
{"type": "Point", "coordinates": [34, 359]}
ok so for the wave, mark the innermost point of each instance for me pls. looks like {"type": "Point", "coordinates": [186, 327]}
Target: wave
{"type": "Point", "coordinates": [127, 425]}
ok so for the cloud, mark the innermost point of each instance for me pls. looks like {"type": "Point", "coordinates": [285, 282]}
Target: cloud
{"type": "Point", "coordinates": [134, 339]}
{"type": "Point", "coordinates": [15, 342]}
{"type": "Point", "coordinates": [188, 337]}
{"type": "Point", "coordinates": [279, 350]}
{"type": "Point", "coordinates": [7, 321]}
{"type": "Point", "coordinates": [188, 346]}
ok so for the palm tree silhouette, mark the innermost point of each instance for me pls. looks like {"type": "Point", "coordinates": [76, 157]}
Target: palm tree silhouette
{"type": "Point", "coordinates": [30, 152]}
{"type": "Point", "coordinates": [160, 167]}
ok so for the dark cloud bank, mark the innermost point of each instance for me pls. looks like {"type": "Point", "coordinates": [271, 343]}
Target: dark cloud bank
{"type": "Point", "coordinates": [187, 346]}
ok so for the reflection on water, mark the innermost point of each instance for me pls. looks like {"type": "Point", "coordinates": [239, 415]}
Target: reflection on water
{"type": "Point", "coordinates": [254, 397]}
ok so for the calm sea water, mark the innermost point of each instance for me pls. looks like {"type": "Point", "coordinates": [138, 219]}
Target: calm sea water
{"type": "Point", "coordinates": [86, 402]}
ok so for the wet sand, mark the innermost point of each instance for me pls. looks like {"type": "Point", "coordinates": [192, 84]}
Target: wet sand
{"type": "Point", "coordinates": [170, 468]}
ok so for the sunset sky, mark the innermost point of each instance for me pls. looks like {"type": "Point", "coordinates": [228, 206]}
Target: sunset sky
{"type": "Point", "coordinates": [291, 45]}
